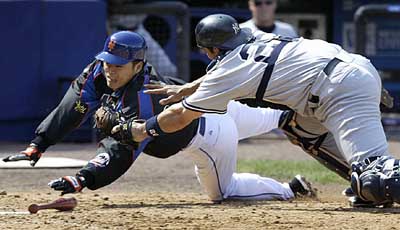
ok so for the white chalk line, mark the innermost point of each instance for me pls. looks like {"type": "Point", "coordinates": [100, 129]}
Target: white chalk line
{"type": "Point", "coordinates": [13, 213]}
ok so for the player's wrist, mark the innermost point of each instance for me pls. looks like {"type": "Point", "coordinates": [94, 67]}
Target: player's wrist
{"type": "Point", "coordinates": [76, 182]}
{"type": "Point", "coordinates": [152, 128]}
{"type": "Point", "coordinates": [82, 181]}
{"type": "Point", "coordinates": [33, 153]}
{"type": "Point", "coordinates": [41, 142]}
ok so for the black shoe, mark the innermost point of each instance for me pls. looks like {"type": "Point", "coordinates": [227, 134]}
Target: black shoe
{"type": "Point", "coordinates": [357, 202]}
{"type": "Point", "coordinates": [300, 186]}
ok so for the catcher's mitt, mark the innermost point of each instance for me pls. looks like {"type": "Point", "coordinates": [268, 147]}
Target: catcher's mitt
{"type": "Point", "coordinates": [106, 119]}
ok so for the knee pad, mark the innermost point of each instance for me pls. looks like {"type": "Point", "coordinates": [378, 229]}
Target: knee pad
{"type": "Point", "coordinates": [369, 186]}
{"type": "Point", "coordinates": [392, 188]}
{"type": "Point", "coordinates": [373, 185]}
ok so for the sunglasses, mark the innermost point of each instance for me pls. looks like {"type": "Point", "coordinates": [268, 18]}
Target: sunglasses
{"type": "Point", "coordinates": [259, 3]}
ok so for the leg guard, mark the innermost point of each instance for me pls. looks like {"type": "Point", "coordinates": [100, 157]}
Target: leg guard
{"type": "Point", "coordinates": [318, 143]}
{"type": "Point", "coordinates": [377, 184]}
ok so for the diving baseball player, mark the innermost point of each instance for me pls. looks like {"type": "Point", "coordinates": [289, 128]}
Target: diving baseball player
{"type": "Point", "coordinates": [113, 85]}
{"type": "Point", "coordinates": [335, 93]}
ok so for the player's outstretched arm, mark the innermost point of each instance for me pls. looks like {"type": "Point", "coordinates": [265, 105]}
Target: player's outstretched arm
{"type": "Point", "coordinates": [73, 110]}
{"type": "Point", "coordinates": [68, 184]}
{"type": "Point", "coordinates": [175, 92]}
{"type": "Point", "coordinates": [175, 118]}
{"type": "Point", "coordinates": [111, 162]}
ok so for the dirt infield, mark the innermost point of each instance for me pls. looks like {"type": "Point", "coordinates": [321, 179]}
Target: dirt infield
{"type": "Point", "coordinates": [164, 194]}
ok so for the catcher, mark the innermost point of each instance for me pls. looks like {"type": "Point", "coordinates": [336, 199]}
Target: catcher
{"type": "Point", "coordinates": [113, 85]}
{"type": "Point", "coordinates": [334, 97]}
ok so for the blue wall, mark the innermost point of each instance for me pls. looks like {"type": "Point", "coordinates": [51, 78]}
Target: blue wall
{"type": "Point", "coordinates": [42, 41]}
{"type": "Point", "coordinates": [387, 50]}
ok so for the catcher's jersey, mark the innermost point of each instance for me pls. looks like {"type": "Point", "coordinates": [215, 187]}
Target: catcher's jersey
{"type": "Point", "coordinates": [238, 74]}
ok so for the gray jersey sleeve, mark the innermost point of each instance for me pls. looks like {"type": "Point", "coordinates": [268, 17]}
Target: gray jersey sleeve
{"type": "Point", "coordinates": [236, 76]}
{"type": "Point", "coordinates": [214, 93]}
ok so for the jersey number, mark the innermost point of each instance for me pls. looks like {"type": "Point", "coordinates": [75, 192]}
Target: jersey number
{"type": "Point", "coordinates": [258, 57]}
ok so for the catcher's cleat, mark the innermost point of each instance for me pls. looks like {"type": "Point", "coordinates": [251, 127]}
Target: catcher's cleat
{"type": "Point", "coordinates": [300, 186]}
{"type": "Point", "coordinates": [357, 202]}
{"type": "Point", "coordinates": [348, 192]}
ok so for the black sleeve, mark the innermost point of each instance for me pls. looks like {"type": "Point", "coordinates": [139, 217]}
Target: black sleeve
{"type": "Point", "coordinates": [112, 161]}
{"type": "Point", "coordinates": [79, 103]}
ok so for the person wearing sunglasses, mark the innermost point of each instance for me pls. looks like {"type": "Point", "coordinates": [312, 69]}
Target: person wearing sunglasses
{"type": "Point", "coordinates": [263, 18]}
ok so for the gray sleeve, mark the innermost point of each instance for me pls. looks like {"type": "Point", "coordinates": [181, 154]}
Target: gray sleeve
{"type": "Point", "coordinates": [215, 92]}
{"type": "Point", "coordinates": [233, 77]}
{"type": "Point", "coordinates": [207, 104]}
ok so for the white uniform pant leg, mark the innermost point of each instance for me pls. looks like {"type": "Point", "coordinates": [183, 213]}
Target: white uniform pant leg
{"type": "Point", "coordinates": [214, 155]}
{"type": "Point", "coordinates": [253, 121]}
{"type": "Point", "coordinates": [351, 111]}
{"type": "Point", "coordinates": [248, 186]}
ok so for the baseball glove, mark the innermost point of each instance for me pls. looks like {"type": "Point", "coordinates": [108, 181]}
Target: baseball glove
{"type": "Point", "coordinates": [106, 119]}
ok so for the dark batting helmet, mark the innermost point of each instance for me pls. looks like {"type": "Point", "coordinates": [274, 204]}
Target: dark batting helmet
{"type": "Point", "coordinates": [123, 47]}
{"type": "Point", "coordinates": [221, 31]}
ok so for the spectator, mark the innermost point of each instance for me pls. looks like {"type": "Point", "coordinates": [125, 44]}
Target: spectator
{"type": "Point", "coordinates": [263, 18]}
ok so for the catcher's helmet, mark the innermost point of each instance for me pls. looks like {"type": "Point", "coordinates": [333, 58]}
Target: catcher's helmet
{"type": "Point", "coordinates": [221, 31]}
{"type": "Point", "coordinates": [123, 47]}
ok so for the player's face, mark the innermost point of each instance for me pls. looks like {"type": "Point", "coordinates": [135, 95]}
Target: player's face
{"type": "Point", "coordinates": [119, 75]}
{"type": "Point", "coordinates": [211, 53]}
{"type": "Point", "coordinates": [263, 10]}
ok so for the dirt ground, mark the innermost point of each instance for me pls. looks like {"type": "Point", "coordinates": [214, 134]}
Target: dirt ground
{"type": "Point", "coordinates": [164, 194]}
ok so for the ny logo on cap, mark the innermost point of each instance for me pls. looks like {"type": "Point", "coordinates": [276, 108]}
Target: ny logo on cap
{"type": "Point", "coordinates": [236, 28]}
{"type": "Point", "coordinates": [111, 45]}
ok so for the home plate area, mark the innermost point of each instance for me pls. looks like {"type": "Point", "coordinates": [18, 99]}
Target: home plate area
{"type": "Point", "coordinates": [44, 163]}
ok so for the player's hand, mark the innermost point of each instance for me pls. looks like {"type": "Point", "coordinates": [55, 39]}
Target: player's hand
{"type": "Point", "coordinates": [68, 184]}
{"type": "Point", "coordinates": [31, 153]}
{"type": "Point", "coordinates": [175, 92]}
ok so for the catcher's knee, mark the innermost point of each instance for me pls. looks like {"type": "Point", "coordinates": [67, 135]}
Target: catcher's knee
{"type": "Point", "coordinates": [368, 186]}
{"type": "Point", "coordinates": [311, 143]}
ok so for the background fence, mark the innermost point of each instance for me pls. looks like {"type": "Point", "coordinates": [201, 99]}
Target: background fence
{"type": "Point", "coordinates": [46, 44]}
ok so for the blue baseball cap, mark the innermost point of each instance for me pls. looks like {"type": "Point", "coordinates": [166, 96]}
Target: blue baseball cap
{"type": "Point", "coordinates": [123, 47]}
